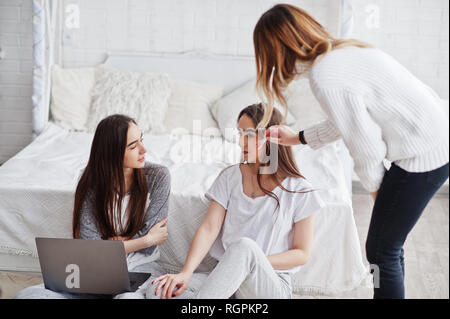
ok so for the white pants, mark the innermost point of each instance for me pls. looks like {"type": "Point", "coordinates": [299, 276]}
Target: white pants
{"type": "Point", "coordinates": [147, 290]}
{"type": "Point", "coordinates": [40, 292]}
{"type": "Point", "coordinates": [245, 272]}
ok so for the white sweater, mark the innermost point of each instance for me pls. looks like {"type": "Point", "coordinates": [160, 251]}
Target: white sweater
{"type": "Point", "coordinates": [381, 111]}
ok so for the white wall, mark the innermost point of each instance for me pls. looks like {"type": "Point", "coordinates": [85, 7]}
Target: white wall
{"type": "Point", "coordinates": [415, 32]}
{"type": "Point", "coordinates": [218, 26]}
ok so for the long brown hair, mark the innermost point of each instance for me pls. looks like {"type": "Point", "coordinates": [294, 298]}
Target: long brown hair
{"type": "Point", "coordinates": [286, 165]}
{"type": "Point", "coordinates": [283, 36]}
{"type": "Point", "coordinates": [103, 179]}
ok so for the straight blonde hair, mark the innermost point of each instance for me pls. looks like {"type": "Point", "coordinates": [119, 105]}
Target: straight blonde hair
{"type": "Point", "coordinates": [283, 36]}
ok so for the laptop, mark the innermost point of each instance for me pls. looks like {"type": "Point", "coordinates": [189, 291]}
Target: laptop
{"type": "Point", "coordinates": [86, 266]}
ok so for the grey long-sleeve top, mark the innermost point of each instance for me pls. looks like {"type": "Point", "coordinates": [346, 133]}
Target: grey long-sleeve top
{"type": "Point", "coordinates": [158, 181]}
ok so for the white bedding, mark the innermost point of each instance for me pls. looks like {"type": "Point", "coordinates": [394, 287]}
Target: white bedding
{"type": "Point", "coordinates": [37, 187]}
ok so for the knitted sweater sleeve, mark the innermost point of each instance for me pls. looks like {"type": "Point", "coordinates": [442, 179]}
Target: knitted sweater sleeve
{"type": "Point", "coordinates": [321, 134]}
{"type": "Point", "coordinates": [88, 224]}
{"type": "Point", "coordinates": [361, 134]}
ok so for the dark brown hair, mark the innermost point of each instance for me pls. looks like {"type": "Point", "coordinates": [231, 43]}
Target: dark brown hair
{"type": "Point", "coordinates": [103, 179]}
{"type": "Point", "coordinates": [287, 167]}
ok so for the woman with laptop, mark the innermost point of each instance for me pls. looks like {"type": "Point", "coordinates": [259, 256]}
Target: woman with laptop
{"type": "Point", "coordinates": [119, 197]}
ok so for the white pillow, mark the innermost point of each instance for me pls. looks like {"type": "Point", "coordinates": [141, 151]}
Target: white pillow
{"type": "Point", "coordinates": [303, 104]}
{"type": "Point", "coordinates": [190, 101]}
{"type": "Point", "coordinates": [71, 96]}
{"type": "Point", "coordinates": [142, 96]}
{"type": "Point", "coordinates": [227, 109]}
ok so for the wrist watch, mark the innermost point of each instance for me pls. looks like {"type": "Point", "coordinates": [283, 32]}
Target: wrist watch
{"type": "Point", "coordinates": [301, 137]}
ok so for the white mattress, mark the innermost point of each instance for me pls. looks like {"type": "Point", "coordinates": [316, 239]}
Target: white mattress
{"type": "Point", "coordinates": [37, 187]}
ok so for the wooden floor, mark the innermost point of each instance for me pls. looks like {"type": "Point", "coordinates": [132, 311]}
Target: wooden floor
{"type": "Point", "coordinates": [426, 254]}
{"type": "Point", "coordinates": [426, 250]}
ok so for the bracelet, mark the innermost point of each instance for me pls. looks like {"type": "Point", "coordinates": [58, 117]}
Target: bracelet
{"type": "Point", "coordinates": [301, 137]}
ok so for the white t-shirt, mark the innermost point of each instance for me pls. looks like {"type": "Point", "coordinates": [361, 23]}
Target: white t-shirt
{"type": "Point", "coordinates": [256, 218]}
{"type": "Point", "coordinates": [136, 258]}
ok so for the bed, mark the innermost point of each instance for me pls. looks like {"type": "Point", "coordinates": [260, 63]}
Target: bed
{"type": "Point", "coordinates": [37, 185]}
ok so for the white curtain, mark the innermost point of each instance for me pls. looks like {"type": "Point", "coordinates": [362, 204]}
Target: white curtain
{"type": "Point", "coordinates": [45, 18]}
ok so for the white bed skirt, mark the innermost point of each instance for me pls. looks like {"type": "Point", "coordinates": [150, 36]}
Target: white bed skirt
{"type": "Point", "coordinates": [19, 263]}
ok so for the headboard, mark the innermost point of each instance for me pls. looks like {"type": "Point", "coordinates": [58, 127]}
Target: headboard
{"type": "Point", "coordinates": [228, 71]}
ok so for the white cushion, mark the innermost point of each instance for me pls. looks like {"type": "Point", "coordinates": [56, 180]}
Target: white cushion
{"type": "Point", "coordinates": [303, 104]}
{"type": "Point", "coordinates": [71, 96]}
{"type": "Point", "coordinates": [227, 109]}
{"type": "Point", "coordinates": [142, 96]}
{"type": "Point", "coordinates": [189, 102]}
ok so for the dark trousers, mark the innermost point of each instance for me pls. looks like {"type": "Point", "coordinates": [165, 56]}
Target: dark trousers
{"type": "Point", "coordinates": [401, 200]}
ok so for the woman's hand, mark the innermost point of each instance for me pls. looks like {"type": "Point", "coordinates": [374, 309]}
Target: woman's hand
{"type": "Point", "coordinates": [283, 135]}
{"type": "Point", "coordinates": [168, 282]}
{"type": "Point", "coordinates": [157, 234]}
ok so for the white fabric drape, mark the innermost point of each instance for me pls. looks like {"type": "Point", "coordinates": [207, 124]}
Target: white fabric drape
{"type": "Point", "coordinates": [44, 30]}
